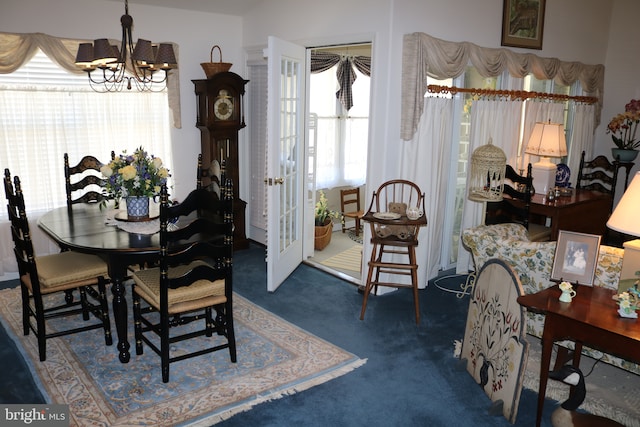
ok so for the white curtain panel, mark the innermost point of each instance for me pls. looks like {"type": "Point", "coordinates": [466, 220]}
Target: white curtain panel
{"type": "Point", "coordinates": [37, 156]}
{"type": "Point", "coordinates": [425, 161]}
{"type": "Point", "coordinates": [581, 139]}
{"type": "Point", "coordinates": [500, 122]}
{"type": "Point", "coordinates": [17, 49]}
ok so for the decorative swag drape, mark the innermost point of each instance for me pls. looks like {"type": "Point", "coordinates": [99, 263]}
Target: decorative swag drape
{"type": "Point", "coordinates": [17, 49]}
{"type": "Point", "coordinates": [323, 61]}
{"type": "Point", "coordinates": [424, 55]}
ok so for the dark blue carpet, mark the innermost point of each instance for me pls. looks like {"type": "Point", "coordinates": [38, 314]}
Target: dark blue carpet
{"type": "Point", "coordinates": [410, 378]}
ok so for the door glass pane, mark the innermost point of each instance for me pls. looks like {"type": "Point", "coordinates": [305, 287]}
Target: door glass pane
{"type": "Point", "coordinates": [289, 165]}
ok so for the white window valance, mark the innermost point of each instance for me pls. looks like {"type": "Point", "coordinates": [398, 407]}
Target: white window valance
{"type": "Point", "coordinates": [17, 49]}
{"type": "Point", "coordinates": [424, 55]}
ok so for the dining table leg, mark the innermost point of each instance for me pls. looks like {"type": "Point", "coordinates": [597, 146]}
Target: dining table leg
{"type": "Point", "coordinates": [118, 290]}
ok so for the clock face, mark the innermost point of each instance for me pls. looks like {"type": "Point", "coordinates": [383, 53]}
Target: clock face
{"type": "Point", "coordinates": [223, 106]}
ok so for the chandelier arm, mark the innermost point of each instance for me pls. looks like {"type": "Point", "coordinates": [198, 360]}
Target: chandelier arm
{"type": "Point", "coordinates": [141, 70]}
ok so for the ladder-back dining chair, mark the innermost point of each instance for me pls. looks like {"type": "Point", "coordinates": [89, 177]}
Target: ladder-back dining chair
{"type": "Point", "coordinates": [210, 176]}
{"type": "Point", "coordinates": [48, 283]}
{"type": "Point", "coordinates": [598, 174]}
{"type": "Point", "coordinates": [193, 280]}
{"type": "Point", "coordinates": [517, 187]}
{"type": "Point", "coordinates": [84, 181]}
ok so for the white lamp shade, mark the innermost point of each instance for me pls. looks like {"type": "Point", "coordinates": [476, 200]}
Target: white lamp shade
{"type": "Point", "coordinates": [547, 140]}
{"type": "Point", "coordinates": [626, 216]}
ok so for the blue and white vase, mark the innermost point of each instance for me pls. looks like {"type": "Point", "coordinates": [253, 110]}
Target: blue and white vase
{"type": "Point", "coordinates": [137, 208]}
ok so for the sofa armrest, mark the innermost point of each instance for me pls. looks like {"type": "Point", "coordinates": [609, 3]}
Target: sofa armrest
{"type": "Point", "coordinates": [483, 240]}
{"type": "Point", "coordinates": [531, 261]}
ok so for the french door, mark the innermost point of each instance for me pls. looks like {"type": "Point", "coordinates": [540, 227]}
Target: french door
{"type": "Point", "coordinates": [285, 159]}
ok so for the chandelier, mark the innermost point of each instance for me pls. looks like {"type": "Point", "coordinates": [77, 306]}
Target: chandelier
{"type": "Point", "coordinates": [105, 64]}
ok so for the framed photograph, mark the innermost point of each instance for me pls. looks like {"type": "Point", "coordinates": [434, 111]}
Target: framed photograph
{"type": "Point", "coordinates": [523, 23]}
{"type": "Point", "coordinates": [575, 258]}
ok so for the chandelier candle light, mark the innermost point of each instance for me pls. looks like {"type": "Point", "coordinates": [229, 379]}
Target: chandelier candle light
{"type": "Point", "coordinates": [109, 62]}
{"type": "Point", "coordinates": [547, 140]}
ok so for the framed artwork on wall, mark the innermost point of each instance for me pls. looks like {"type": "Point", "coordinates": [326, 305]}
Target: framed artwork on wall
{"type": "Point", "coordinates": [523, 23]}
{"type": "Point", "coordinates": [575, 258]}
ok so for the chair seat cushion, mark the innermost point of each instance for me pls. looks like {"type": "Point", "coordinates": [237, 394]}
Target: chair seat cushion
{"type": "Point", "coordinates": [199, 294]}
{"type": "Point", "coordinates": [356, 214]}
{"type": "Point", "coordinates": [69, 267]}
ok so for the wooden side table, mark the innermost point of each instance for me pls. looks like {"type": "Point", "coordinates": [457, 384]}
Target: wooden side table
{"type": "Point", "coordinates": [627, 166]}
{"type": "Point", "coordinates": [591, 318]}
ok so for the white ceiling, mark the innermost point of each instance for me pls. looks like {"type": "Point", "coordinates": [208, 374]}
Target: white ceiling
{"type": "Point", "coordinates": [225, 7]}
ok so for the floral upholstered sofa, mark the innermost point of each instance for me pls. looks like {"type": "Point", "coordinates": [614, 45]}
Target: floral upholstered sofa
{"type": "Point", "coordinates": [533, 262]}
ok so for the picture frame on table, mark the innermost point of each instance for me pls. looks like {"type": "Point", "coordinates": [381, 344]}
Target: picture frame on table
{"type": "Point", "coordinates": [575, 258]}
{"type": "Point", "coordinates": [523, 23]}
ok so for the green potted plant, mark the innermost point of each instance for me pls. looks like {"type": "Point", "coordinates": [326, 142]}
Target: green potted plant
{"type": "Point", "coordinates": [323, 222]}
{"type": "Point", "coordinates": [623, 128]}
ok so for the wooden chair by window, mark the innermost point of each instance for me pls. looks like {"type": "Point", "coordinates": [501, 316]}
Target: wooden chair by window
{"type": "Point", "coordinates": [598, 174]}
{"type": "Point", "coordinates": [601, 175]}
{"type": "Point", "coordinates": [517, 187]}
{"type": "Point", "coordinates": [87, 180]}
{"type": "Point", "coordinates": [394, 238]}
{"type": "Point", "coordinates": [350, 208]}
{"type": "Point", "coordinates": [54, 279]}
{"type": "Point", "coordinates": [191, 282]}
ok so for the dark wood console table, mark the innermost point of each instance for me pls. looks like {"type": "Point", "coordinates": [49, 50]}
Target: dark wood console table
{"type": "Point", "coordinates": [583, 211]}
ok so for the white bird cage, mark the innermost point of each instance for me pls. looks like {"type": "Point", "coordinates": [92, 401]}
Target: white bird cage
{"type": "Point", "coordinates": [488, 164]}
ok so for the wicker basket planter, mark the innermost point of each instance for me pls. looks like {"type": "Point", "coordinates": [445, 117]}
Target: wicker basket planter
{"type": "Point", "coordinates": [213, 68]}
{"type": "Point", "coordinates": [323, 235]}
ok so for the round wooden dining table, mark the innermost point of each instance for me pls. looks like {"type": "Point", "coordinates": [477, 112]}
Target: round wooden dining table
{"type": "Point", "coordinates": [84, 228]}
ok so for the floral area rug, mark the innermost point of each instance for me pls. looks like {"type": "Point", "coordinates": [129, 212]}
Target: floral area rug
{"type": "Point", "coordinates": [275, 358]}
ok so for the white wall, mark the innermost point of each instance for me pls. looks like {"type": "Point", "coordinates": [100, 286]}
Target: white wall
{"type": "Point", "coordinates": [622, 75]}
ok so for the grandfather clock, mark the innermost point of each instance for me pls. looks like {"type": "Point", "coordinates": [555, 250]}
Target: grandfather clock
{"type": "Point", "coordinates": [220, 118]}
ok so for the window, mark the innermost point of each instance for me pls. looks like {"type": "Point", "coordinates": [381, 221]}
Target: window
{"type": "Point", "coordinates": [342, 136]}
{"type": "Point", "coordinates": [46, 112]}
{"type": "Point", "coordinates": [460, 148]}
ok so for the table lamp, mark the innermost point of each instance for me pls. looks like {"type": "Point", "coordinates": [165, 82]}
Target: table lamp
{"type": "Point", "coordinates": [547, 140]}
{"type": "Point", "coordinates": [626, 219]}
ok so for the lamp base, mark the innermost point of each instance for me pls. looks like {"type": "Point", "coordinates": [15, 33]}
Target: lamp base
{"type": "Point", "coordinates": [630, 265]}
{"type": "Point", "coordinates": [544, 175]}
